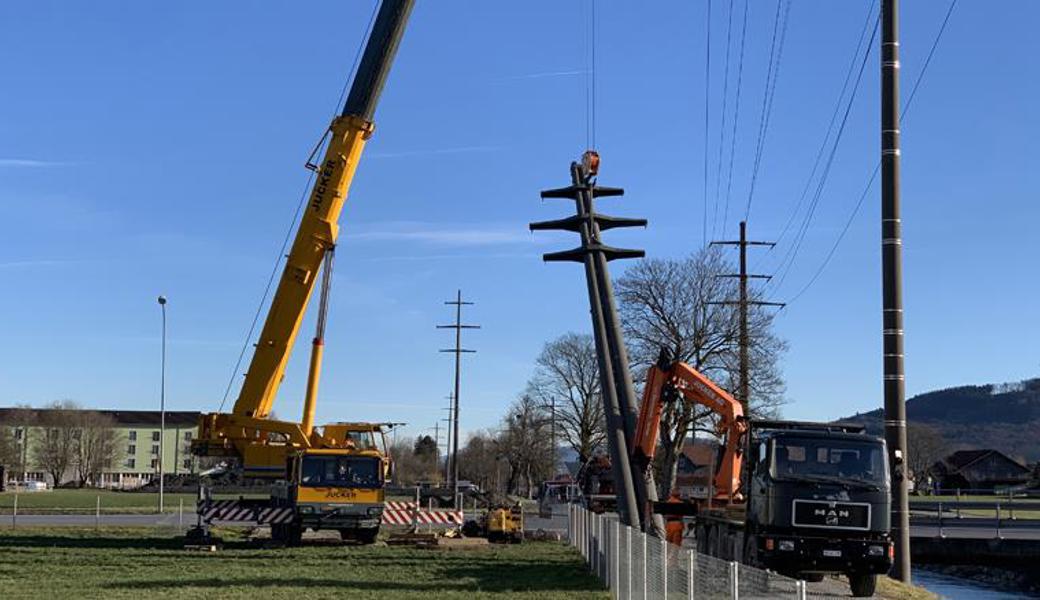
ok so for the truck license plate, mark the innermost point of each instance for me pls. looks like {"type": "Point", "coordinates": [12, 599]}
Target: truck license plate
{"type": "Point", "coordinates": [832, 553]}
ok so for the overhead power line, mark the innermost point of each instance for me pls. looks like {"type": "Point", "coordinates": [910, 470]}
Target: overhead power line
{"type": "Point", "coordinates": [833, 121]}
{"type": "Point", "coordinates": [722, 119]}
{"type": "Point", "coordinates": [776, 52]}
{"type": "Point", "coordinates": [822, 181]}
{"type": "Point", "coordinates": [877, 167]}
{"type": "Point", "coordinates": [707, 97]}
{"type": "Point", "coordinates": [736, 115]}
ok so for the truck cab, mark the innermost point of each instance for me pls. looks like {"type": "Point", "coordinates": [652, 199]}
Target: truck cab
{"type": "Point", "coordinates": [818, 501]}
{"type": "Point", "coordinates": [333, 489]}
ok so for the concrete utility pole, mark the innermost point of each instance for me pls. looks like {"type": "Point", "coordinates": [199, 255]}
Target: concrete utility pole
{"type": "Point", "coordinates": [744, 385]}
{"type": "Point", "coordinates": [458, 351]}
{"type": "Point", "coordinates": [635, 489]}
{"type": "Point", "coordinates": [892, 288]}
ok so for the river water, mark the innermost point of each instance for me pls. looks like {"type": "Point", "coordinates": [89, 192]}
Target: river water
{"type": "Point", "coordinates": [957, 588]}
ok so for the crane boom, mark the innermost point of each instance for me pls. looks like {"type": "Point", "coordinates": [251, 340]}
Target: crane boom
{"type": "Point", "coordinates": [319, 227]}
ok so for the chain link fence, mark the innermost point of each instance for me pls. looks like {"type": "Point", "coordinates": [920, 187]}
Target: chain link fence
{"type": "Point", "coordinates": [636, 566]}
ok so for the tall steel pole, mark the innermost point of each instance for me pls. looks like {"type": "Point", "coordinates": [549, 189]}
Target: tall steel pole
{"type": "Point", "coordinates": [458, 350]}
{"type": "Point", "coordinates": [743, 302]}
{"type": "Point", "coordinates": [162, 402]}
{"type": "Point", "coordinates": [745, 370]}
{"type": "Point", "coordinates": [892, 287]}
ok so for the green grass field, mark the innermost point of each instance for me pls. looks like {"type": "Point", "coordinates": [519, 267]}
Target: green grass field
{"type": "Point", "coordinates": [56, 562]}
{"type": "Point", "coordinates": [85, 500]}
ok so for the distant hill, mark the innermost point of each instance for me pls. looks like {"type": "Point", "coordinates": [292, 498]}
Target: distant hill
{"type": "Point", "coordinates": [1005, 417]}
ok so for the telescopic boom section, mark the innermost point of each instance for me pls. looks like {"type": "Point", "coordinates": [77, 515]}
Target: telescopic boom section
{"type": "Point", "coordinates": [671, 381]}
{"type": "Point", "coordinates": [319, 227]}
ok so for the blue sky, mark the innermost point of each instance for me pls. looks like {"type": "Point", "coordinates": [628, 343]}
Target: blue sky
{"type": "Point", "coordinates": [158, 148]}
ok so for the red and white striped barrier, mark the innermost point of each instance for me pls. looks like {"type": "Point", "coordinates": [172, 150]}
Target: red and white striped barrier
{"type": "Point", "coordinates": [422, 517]}
{"type": "Point", "coordinates": [391, 505]}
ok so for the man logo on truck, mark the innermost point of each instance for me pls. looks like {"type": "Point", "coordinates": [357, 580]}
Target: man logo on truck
{"type": "Point", "coordinates": [831, 515]}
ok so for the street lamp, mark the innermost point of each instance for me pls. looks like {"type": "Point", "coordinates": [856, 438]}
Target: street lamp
{"type": "Point", "coordinates": [162, 403]}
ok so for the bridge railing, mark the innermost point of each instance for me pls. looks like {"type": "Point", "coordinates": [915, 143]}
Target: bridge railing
{"type": "Point", "coordinates": [634, 565]}
{"type": "Point", "coordinates": [976, 514]}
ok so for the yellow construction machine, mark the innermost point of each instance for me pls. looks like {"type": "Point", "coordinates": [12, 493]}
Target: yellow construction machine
{"type": "Point", "coordinates": [504, 524]}
{"type": "Point", "coordinates": [329, 477]}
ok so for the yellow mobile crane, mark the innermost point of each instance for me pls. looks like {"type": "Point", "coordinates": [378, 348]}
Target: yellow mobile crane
{"type": "Point", "coordinates": [330, 477]}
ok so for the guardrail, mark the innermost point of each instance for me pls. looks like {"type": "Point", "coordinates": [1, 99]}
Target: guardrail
{"type": "Point", "coordinates": [966, 514]}
{"type": "Point", "coordinates": [634, 565]}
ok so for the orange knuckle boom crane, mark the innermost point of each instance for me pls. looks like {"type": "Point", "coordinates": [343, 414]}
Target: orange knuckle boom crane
{"type": "Point", "coordinates": [677, 381]}
{"type": "Point", "coordinates": [330, 477]}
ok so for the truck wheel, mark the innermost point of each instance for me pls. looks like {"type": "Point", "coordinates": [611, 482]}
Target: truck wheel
{"type": "Point", "coordinates": [701, 538]}
{"type": "Point", "coordinates": [367, 536]}
{"type": "Point", "coordinates": [862, 585]}
{"type": "Point", "coordinates": [751, 551]}
{"type": "Point", "coordinates": [295, 535]}
{"type": "Point", "coordinates": [713, 541]}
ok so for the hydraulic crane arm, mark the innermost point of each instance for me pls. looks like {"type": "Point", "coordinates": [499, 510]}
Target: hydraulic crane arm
{"type": "Point", "coordinates": [669, 381]}
{"type": "Point", "coordinates": [318, 227]}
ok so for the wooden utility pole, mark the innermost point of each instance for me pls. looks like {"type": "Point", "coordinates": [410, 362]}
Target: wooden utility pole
{"type": "Point", "coordinates": [892, 288]}
{"type": "Point", "coordinates": [458, 351]}
{"type": "Point", "coordinates": [744, 341]}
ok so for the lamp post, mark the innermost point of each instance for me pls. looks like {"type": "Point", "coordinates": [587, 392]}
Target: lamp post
{"type": "Point", "coordinates": [162, 402]}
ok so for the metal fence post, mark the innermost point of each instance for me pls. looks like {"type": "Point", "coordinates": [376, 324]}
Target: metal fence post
{"type": "Point", "coordinates": [594, 544]}
{"type": "Point", "coordinates": [628, 542]}
{"type": "Point", "coordinates": [97, 515]}
{"type": "Point", "coordinates": [799, 589]}
{"type": "Point", "coordinates": [664, 566]}
{"type": "Point", "coordinates": [617, 557]}
{"type": "Point", "coordinates": [940, 520]}
{"type": "Point", "coordinates": [998, 521]}
{"type": "Point", "coordinates": [14, 514]}
{"type": "Point", "coordinates": [644, 564]}
{"type": "Point", "coordinates": [734, 580]}
{"type": "Point", "coordinates": [180, 513]}
{"type": "Point", "coordinates": [690, 579]}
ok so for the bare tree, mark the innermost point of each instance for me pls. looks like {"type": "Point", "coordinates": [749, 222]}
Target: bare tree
{"type": "Point", "coordinates": [925, 447]}
{"type": "Point", "coordinates": [56, 450]}
{"type": "Point", "coordinates": [97, 445]}
{"type": "Point", "coordinates": [567, 377]}
{"type": "Point", "coordinates": [525, 444]}
{"type": "Point", "coordinates": [671, 305]}
{"type": "Point", "coordinates": [481, 461]}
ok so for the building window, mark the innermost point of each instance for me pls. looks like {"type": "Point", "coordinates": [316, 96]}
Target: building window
{"type": "Point", "coordinates": [155, 463]}
{"type": "Point", "coordinates": [131, 449]}
{"type": "Point", "coordinates": [155, 436]}
{"type": "Point", "coordinates": [18, 434]}
{"type": "Point", "coordinates": [155, 449]}
{"type": "Point", "coordinates": [131, 463]}
{"type": "Point", "coordinates": [133, 436]}
{"type": "Point", "coordinates": [187, 463]}
{"type": "Point", "coordinates": [187, 436]}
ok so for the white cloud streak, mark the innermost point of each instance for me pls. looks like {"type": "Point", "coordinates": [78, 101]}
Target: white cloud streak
{"type": "Point", "coordinates": [543, 75]}
{"type": "Point", "coordinates": [436, 151]}
{"type": "Point", "coordinates": [444, 235]}
{"type": "Point", "coordinates": [30, 163]}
